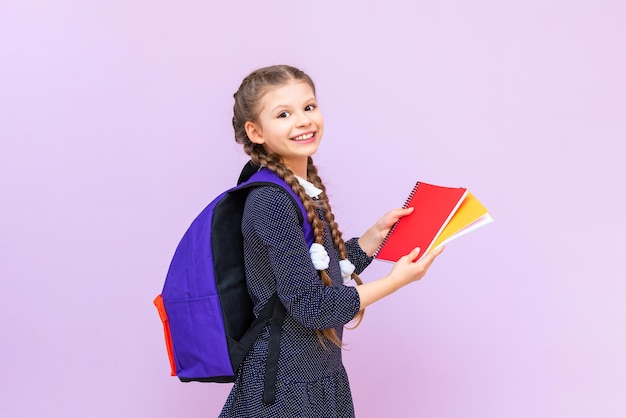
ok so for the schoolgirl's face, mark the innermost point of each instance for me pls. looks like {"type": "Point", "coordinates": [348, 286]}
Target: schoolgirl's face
{"type": "Point", "coordinates": [289, 124]}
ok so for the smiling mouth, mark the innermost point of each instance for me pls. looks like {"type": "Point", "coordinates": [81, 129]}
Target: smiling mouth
{"type": "Point", "coordinates": [304, 137]}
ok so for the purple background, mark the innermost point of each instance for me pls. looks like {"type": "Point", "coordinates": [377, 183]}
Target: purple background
{"type": "Point", "coordinates": [115, 129]}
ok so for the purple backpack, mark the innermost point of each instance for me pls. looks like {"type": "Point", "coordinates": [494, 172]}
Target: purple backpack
{"type": "Point", "coordinates": [205, 308]}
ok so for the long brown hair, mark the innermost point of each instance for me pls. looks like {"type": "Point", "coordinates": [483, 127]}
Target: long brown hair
{"type": "Point", "coordinates": [246, 108]}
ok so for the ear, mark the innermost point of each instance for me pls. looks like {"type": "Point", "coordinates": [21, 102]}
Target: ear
{"type": "Point", "coordinates": [254, 132]}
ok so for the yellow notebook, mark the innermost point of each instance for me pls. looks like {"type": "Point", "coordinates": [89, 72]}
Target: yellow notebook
{"type": "Point", "coordinates": [468, 217]}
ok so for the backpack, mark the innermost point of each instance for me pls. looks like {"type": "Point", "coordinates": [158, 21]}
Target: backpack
{"type": "Point", "coordinates": [204, 306]}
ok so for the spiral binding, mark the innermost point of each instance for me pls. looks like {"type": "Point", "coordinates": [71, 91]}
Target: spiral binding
{"type": "Point", "coordinates": [408, 199]}
{"type": "Point", "coordinates": [404, 206]}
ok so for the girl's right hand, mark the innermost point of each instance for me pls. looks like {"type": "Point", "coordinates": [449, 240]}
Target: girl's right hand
{"type": "Point", "coordinates": [408, 270]}
{"type": "Point", "coordinates": [405, 271]}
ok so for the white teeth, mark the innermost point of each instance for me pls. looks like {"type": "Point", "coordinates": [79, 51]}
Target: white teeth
{"type": "Point", "coordinates": [303, 137]}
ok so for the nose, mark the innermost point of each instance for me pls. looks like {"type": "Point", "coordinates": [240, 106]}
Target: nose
{"type": "Point", "coordinates": [303, 119]}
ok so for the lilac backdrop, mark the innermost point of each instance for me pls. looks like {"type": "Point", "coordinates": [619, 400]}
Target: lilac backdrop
{"type": "Point", "coordinates": [114, 121]}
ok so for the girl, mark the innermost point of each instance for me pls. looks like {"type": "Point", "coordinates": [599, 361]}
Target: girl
{"type": "Point", "coordinates": [278, 122]}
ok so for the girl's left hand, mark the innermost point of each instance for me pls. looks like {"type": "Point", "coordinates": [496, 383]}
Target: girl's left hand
{"type": "Point", "coordinates": [374, 236]}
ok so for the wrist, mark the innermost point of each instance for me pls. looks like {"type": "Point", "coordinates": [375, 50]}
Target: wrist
{"type": "Point", "coordinates": [370, 241]}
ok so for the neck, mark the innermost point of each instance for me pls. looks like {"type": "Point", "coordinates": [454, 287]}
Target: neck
{"type": "Point", "coordinates": [299, 167]}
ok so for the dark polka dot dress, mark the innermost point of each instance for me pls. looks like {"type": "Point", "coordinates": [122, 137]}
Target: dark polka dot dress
{"type": "Point", "coordinates": [311, 380]}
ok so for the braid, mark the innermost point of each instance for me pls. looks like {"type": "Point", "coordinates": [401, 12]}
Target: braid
{"type": "Point", "coordinates": [324, 203]}
{"type": "Point", "coordinates": [338, 241]}
{"type": "Point", "coordinates": [272, 162]}
{"type": "Point", "coordinates": [336, 235]}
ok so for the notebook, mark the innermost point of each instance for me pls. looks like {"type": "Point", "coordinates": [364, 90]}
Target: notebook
{"type": "Point", "coordinates": [440, 215]}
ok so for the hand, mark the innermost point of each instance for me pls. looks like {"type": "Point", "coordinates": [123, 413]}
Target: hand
{"type": "Point", "coordinates": [405, 271]}
{"type": "Point", "coordinates": [408, 270]}
{"type": "Point", "coordinates": [374, 236]}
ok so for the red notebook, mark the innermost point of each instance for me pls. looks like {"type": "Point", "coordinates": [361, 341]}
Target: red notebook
{"type": "Point", "coordinates": [440, 214]}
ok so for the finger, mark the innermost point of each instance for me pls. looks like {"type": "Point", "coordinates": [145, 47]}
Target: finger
{"type": "Point", "coordinates": [400, 212]}
{"type": "Point", "coordinates": [404, 212]}
{"type": "Point", "coordinates": [430, 257]}
{"type": "Point", "coordinates": [391, 217]}
{"type": "Point", "coordinates": [394, 216]}
{"type": "Point", "coordinates": [435, 253]}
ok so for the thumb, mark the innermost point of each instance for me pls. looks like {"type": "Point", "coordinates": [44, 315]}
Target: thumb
{"type": "Point", "coordinates": [412, 256]}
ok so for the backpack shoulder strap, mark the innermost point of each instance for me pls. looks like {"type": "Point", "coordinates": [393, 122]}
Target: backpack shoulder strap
{"type": "Point", "coordinates": [262, 177]}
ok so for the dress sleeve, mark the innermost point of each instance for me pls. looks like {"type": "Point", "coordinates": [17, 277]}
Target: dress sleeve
{"type": "Point", "coordinates": [357, 256]}
{"type": "Point", "coordinates": [272, 221]}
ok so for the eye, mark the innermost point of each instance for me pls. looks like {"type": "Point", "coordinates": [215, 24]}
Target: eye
{"type": "Point", "coordinates": [310, 107]}
{"type": "Point", "coordinates": [284, 114]}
